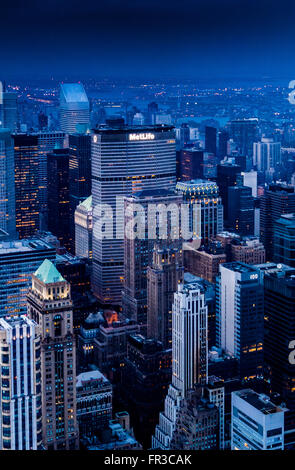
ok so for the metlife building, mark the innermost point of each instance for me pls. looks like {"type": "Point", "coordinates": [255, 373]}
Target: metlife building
{"type": "Point", "coordinates": [125, 161]}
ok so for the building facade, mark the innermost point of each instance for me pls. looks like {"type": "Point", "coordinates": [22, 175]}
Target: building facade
{"type": "Point", "coordinates": [74, 107]}
{"type": "Point", "coordinates": [20, 399]}
{"type": "Point", "coordinates": [7, 187]}
{"type": "Point", "coordinates": [83, 229]}
{"type": "Point", "coordinates": [18, 261]}
{"type": "Point", "coordinates": [240, 316]}
{"type": "Point", "coordinates": [205, 208]}
{"type": "Point", "coordinates": [50, 305]}
{"type": "Point", "coordinates": [257, 423]}
{"type": "Point", "coordinates": [125, 160]}
{"type": "Point", "coordinates": [189, 357]}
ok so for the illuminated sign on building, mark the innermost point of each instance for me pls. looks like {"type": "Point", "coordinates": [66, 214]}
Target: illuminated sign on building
{"type": "Point", "coordinates": [142, 136]}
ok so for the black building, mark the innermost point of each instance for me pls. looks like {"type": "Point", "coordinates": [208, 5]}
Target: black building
{"type": "Point", "coordinates": [191, 164]}
{"type": "Point", "coordinates": [210, 139]}
{"type": "Point", "coordinates": [277, 200]}
{"type": "Point", "coordinates": [144, 384]}
{"type": "Point", "coordinates": [228, 174]}
{"type": "Point", "coordinates": [79, 175]}
{"type": "Point", "coordinates": [279, 298]}
{"type": "Point", "coordinates": [58, 195]}
{"type": "Point", "coordinates": [241, 210]}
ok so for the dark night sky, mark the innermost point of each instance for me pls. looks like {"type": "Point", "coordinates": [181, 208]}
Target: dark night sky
{"type": "Point", "coordinates": [148, 38]}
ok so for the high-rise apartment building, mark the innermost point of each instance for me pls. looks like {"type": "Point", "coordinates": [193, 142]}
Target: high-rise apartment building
{"type": "Point", "coordinates": [18, 261]}
{"type": "Point", "coordinates": [74, 107]}
{"type": "Point", "coordinates": [257, 423]}
{"type": "Point", "coordinates": [27, 202]}
{"type": "Point", "coordinates": [240, 316]}
{"type": "Point", "coordinates": [7, 187]}
{"type": "Point", "coordinates": [277, 200]}
{"type": "Point", "coordinates": [83, 229]}
{"type": "Point", "coordinates": [189, 356]}
{"type": "Point", "coordinates": [163, 277]}
{"type": "Point", "coordinates": [50, 305]}
{"type": "Point", "coordinates": [205, 208]}
{"type": "Point", "coordinates": [20, 398]}
{"type": "Point", "coordinates": [125, 160]}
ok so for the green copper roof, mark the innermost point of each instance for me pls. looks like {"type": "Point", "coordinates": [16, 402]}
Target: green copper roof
{"type": "Point", "coordinates": [87, 204]}
{"type": "Point", "coordinates": [48, 273]}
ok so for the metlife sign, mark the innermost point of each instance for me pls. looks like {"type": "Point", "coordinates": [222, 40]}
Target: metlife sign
{"type": "Point", "coordinates": [142, 136]}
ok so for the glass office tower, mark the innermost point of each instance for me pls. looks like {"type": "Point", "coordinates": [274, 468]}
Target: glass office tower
{"type": "Point", "coordinates": [125, 161]}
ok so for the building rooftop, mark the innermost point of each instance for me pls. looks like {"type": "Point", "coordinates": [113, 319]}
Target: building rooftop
{"type": "Point", "coordinates": [286, 219]}
{"type": "Point", "coordinates": [48, 273]}
{"type": "Point", "coordinates": [125, 129]}
{"type": "Point", "coordinates": [239, 267]}
{"type": "Point", "coordinates": [73, 93]}
{"type": "Point", "coordinates": [18, 246]}
{"type": "Point", "coordinates": [86, 204]}
{"type": "Point", "coordinates": [197, 185]}
{"type": "Point", "coordinates": [89, 376]}
{"type": "Point", "coordinates": [261, 402]}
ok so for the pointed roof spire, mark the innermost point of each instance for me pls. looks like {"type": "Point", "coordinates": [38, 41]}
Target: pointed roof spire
{"type": "Point", "coordinates": [48, 273]}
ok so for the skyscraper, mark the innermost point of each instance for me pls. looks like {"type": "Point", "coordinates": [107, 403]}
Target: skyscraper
{"type": "Point", "coordinates": [228, 174]}
{"type": "Point", "coordinates": [20, 398]}
{"type": "Point", "coordinates": [50, 305]}
{"type": "Point", "coordinates": [203, 197]}
{"type": "Point", "coordinates": [47, 142]}
{"type": "Point", "coordinates": [284, 240]}
{"type": "Point", "coordinates": [7, 187]}
{"type": "Point", "coordinates": [58, 195]}
{"type": "Point", "coordinates": [210, 139]}
{"type": "Point", "coordinates": [189, 356]}
{"type": "Point", "coordinates": [243, 132]}
{"type": "Point", "coordinates": [191, 164]}
{"type": "Point", "coordinates": [277, 200]}
{"type": "Point", "coordinates": [83, 229]}
{"type": "Point", "coordinates": [138, 252]}
{"type": "Point", "coordinates": [266, 154]}
{"type": "Point", "coordinates": [125, 161]}
{"type": "Point", "coordinates": [241, 210]}
{"type": "Point", "coordinates": [74, 107]}
{"type": "Point", "coordinates": [279, 298]}
{"type": "Point", "coordinates": [163, 277]}
{"type": "Point", "coordinates": [79, 175]}
{"type": "Point", "coordinates": [9, 111]}
{"type": "Point", "coordinates": [18, 261]}
{"type": "Point", "coordinates": [27, 202]}
{"type": "Point", "coordinates": [240, 316]}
